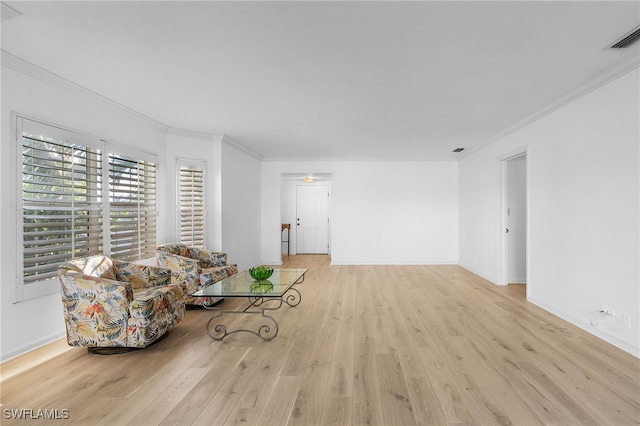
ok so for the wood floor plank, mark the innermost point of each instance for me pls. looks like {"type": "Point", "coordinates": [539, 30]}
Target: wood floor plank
{"type": "Point", "coordinates": [381, 281]}
{"type": "Point", "coordinates": [310, 401]}
{"type": "Point", "coordinates": [457, 391]}
{"type": "Point", "coordinates": [162, 404]}
{"type": "Point", "coordinates": [341, 372]}
{"type": "Point", "coordinates": [209, 385]}
{"type": "Point", "coordinates": [229, 395]}
{"type": "Point", "coordinates": [281, 400]}
{"type": "Point", "coordinates": [425, 406]}
{"type": "Point", "coordinates": [492, 388]}
{"type": "Point", "coordinates": [340, 412]}
{"type": "Point", "coordinates": [395, 400]}
{"type": "Point", "coordinates": [259, 391]}
{"type": "Point", "coordinates": [366, 387]}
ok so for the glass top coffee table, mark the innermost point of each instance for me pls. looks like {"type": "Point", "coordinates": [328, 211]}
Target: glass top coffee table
{"type": "Point", "coordinates": [276, 290]}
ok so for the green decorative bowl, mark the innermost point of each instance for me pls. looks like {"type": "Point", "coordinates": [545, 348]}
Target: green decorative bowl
{"type": "Point", "coordinates": [260, 272]}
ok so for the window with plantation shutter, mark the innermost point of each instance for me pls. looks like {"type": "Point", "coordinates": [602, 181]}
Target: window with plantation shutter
{"type": "Point", "coordinates": [191, 187]}
{"type": "Point", "coordinates": [78, 196]}
{"type": "Point", "coordinates": [132, 207]}
{"type": "Point", "coordinates": [61, 203]}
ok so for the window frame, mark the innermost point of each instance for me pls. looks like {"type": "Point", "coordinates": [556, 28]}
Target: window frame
{"type": "Point", "coordinates": [127, 152]}
{"type": "Point", "coordinates": [20, 123]}
{"type": "Point", "coordinates": [193, 164]}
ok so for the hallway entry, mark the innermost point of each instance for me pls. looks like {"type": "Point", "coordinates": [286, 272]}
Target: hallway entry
{"type": "Point", "coordinates": [516, 219]}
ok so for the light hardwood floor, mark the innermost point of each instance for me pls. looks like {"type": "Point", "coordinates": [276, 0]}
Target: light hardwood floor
{"type": "Point", "coordinates": [368, 345]}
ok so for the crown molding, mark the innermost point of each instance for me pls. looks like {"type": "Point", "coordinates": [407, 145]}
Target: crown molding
{"type": "Point", "coordinates": [616, 71]}
{"type": "Point", "coordinates": [193, 134]}
{"type": "Point", "coordinates": [237, 145]}
{"type": "Point", "coordinates": [34, 71]}
{"type": "Point", "coordinates": [204, 136]}
{"type": "Point", "coordinates": [359, 159]}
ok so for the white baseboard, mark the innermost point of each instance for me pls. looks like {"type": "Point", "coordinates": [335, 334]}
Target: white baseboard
{"type": "Point", "coordinates": [470, 269]}
{"type": "Point", "coordinates": [31, 347]}
{"type": "Point", "coordinates": [391, 262]}
{"type": "Point", "coordinates": [598, 332]}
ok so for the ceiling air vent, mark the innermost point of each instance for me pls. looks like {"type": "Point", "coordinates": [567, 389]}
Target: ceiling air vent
{"type": "Point", "coordinates": [8, 12]}
{"type": "Point", "coordinates": [627, 40]}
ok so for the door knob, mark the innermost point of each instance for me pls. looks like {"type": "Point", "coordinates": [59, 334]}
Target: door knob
{"type": "Point", "coordinates": [506, 230]}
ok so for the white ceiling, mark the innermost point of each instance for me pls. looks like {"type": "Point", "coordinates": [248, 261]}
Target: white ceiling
{"type": "Point", "coordinates": [328, 79]}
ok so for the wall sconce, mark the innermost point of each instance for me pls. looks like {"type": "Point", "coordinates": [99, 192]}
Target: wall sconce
{"type": "Point", "coordinates": [308, 179]}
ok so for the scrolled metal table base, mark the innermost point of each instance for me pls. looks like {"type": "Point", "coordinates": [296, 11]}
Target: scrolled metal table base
{"type": "Point", "coordinates": [266, 332]}
{"type": "Point", "coordinates": [292, 299]}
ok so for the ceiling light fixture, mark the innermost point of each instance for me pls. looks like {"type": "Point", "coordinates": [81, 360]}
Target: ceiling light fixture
{"type": "Point", "coordinates": [308, 179]}
{"type": "Point", "coordinates": [458, 150]}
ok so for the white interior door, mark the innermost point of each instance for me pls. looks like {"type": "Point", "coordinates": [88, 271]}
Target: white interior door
{"type": "Point", "coordinates": [517, 220]}
{"type": "Point", "coordinates": [312, 219]}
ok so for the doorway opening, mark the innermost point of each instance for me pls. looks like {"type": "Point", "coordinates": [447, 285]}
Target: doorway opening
{"type": "Point", "coordinates": [514, 212]}
{"type": "Point", "coordinates": [516, 215]}
{"type": "Point", "coordinates": [305, 205]}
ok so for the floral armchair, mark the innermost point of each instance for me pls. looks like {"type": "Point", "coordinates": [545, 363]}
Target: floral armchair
{"type": "Point", "coordinates": [197, 267]}
{"type": "Point", "coordinates": [113, 304]}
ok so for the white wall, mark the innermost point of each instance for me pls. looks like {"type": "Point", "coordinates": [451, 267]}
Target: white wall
{"type": "Point", "coordinates": [241, 201]}
{"type": "Point", "coordinates": [30, 323]}
{"type": "Point", "coordinates": [382, 212]}
{"type": "Point", "coordinates": [584, 231]}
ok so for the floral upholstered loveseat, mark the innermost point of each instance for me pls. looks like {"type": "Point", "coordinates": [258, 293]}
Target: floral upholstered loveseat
{"type": "Point", "coordinates": [109, 303]}
{"type": "Point", "coordinates": [197, 267]}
